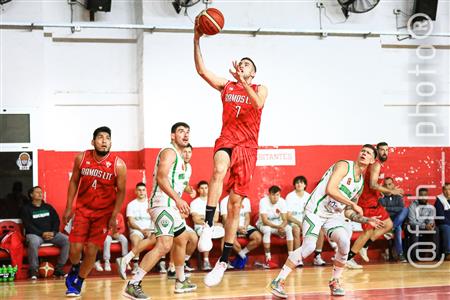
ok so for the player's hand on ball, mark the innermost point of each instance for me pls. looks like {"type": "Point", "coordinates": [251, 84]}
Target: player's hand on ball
{"type": "Point", "coordinates": [197, 32]}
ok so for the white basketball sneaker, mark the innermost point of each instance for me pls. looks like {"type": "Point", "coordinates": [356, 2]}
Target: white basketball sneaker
{"type": "Point", "coordinates": [205, 241]}
{"type": "Point", "coordinates": [318, 261]}
{"type": "Point", "coordinates": [215, 276]}
{"type": "Point", "coordinates": [352, 264]}
{"type": "Point", "coordinates": [363, 254]}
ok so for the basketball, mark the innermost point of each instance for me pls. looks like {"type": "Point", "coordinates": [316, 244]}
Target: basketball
{"type": "Point", "coordinates": [46, 269]}
{"type": "Point", "coordinates": [211, 21]}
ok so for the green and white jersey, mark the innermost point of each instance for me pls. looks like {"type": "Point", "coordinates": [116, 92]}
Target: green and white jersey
{"type": "Point", "coordinates": [176, 178]}
{"type": "Point", "coordinates": [323, 205]}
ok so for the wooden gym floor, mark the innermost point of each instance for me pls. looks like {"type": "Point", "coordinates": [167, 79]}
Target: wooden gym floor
{"type": "Point", "coordinates": [377, 281]}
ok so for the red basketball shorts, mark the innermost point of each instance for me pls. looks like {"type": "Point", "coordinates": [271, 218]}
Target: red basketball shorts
{"type": "Point", "coordinates": [87, 229]}
{"type": "Point", "coordinates": [377, 211]}
{"type": "Point", "coordinates": [242, 166]}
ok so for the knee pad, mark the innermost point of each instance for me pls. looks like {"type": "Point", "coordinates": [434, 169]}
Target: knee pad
{"type": "Point", "coordinates": [296, 256]}
{"type": "Point", "coordinates": [289, 235]}
{"type": "Point", "coordinates": [342, 240]}
{"type": "Point", "coordinates": [266, 234]}
{"type": "Point", "coordinates": [308, 246]}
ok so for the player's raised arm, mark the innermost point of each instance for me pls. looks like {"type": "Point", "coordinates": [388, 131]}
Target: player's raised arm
{"type": "Point", "coordinates": [339, 172]}
{"type": "Point", "coordinates": [73, 187]}
{"type": "Point", "coordinates": [167, 159]}
{"type": "Point", "coordinates": [213, 80]}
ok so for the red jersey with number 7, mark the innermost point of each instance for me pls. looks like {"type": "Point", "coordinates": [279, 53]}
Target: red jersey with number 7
{"type": "Point", "coordinates": [240, 120]}
{"type": "Point", "coordinates": [97, 188]}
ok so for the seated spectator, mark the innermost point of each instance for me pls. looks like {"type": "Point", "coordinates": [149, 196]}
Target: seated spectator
{"type": "Point", "coordinates": [41, 223]}
{"type": "Point", "coordinates": [116, 235]}
{"type": "Point", "coordinates": [398, 212]}
{"type": "Point", "coordinates": [273, 220]}
{"type": "Point", "coordinates": [442, 206]}
{"type": "Point", "coordinates": [421, 224]}
{"type": "Point", "coordinates": [139, 222]}
{"type": "Point", "coordinates": [244, 230]}
{"type": "Point", "coordinates": [198, 208]}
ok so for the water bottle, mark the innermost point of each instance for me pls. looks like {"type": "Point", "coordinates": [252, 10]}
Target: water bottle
{"type": "Point", "coordinates": [2, 273]}
{"type": "Point", "coordinates": [10, 273]}
{"type": "Point", "coordinates": [5, 274]}
{"type": "Point", "coordinates": [14, 272]}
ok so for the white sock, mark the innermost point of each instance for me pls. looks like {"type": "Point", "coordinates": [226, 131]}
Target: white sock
{"type": "Point", "coordinates": [268, 256]}
{"type": "Point", "coordinates": [243, 252]}
{"type": "Point", "coordinates": [130, 255]}
{"type": "Point", "coordinates": [284, 273]}
{"type": "Point", "coordinates": [290, 252]}
{"type": "Point", "coordinates": [139, 276]}
{"type": "Point", "coordinates": [179, 271]}
{"type": "Point", "coordinates": [106, 261]}
{"type": "Point", "coordinates": [187, 257]}
{"type": "Point", "coordinates": [206, 259]}
{"type": "Point", "coordinates": [337, 272]}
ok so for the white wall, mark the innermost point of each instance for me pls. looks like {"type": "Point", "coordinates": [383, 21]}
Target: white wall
{"type": "Point", "coordinates": [337, 90]}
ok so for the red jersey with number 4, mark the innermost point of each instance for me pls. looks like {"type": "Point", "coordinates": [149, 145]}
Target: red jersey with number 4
{"type": "Point", "coordinates": [370, 197]}
{"type": "Point", "coordinates": [97, 188]}
{"type": "Point", "coordinates": [240, 120]}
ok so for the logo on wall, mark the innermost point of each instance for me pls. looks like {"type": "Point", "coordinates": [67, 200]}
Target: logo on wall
{"type": "Point", "coordinates": [24, 161]}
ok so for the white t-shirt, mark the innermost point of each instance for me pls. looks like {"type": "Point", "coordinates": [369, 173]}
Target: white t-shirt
{"type": "Point", "coordinates": [245, 208]}
{"type": "Point", "coordinates": [273, 211]}
{"type": "Point", "coordinates": [296, 204]}
{"type": "Point", "coordinates": [139, 211]}
{"type": "Point", "coordinates": [198, 206]}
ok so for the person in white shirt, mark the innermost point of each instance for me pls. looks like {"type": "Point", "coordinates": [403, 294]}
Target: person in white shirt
{"type": "Point", "coordinates": [273, 220]}
{"type": "Point", "coordinates": [296, 201]}
{"type": "Point", "coordinates": [142, 230]}
{"type": "Point", "coordinates": [198, 207]}
{"type": "Point", "coordinates": [244, 230]}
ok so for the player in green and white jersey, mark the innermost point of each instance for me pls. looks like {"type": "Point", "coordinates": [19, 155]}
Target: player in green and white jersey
{"type": "Point", "coordinates": [334, 198]}
{"type": "Point", "coordinates": [165, 208]}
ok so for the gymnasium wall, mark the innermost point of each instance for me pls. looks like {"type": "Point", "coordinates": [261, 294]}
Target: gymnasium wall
{"type": "Point", "coordinates": [411, 167]}
{"type": "Point", "coordinates": [326, 95]}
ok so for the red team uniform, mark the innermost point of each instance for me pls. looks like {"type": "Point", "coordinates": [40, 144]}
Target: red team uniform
{"type": "Point", "coordinates": [369, 200]}
{"type": "Point", "coordinates": [95, 200]}
{"type": "Point", "coordinates": [240, 131]}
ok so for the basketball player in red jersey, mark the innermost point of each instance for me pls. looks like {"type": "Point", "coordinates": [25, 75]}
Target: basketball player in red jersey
{"type": "Point", "coordinates": [373, 186]}
{"type": "Point", "coordinates": [98, 181]}
{"type": "Point", "coordinates": [235, 149]}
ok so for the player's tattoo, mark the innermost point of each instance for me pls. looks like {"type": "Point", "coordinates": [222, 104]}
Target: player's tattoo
{"type": "Point", "coordinates": [354, 216]}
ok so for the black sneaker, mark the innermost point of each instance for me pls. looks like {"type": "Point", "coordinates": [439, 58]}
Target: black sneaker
{"type": "Point", "coordinates": [171, 274]}
{"type": "Point", "coordinates": [188, 267]}
{"type": "Point", "coordinates": [59, 272]}
{"type": "Point", "coordinates": [402, 258]}
{"type": "Point", "coordinates": [33, 274]}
